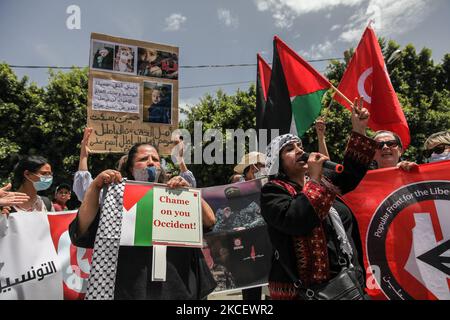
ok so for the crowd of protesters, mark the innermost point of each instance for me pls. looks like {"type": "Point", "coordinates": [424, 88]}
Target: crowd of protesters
{"type": "Point", "coordinates": [300, 204]}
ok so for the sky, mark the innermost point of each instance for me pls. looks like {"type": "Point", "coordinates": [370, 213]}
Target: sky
{"type": "Point", "coordinates": [214, 32]}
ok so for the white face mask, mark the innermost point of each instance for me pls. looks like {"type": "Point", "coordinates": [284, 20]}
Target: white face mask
{"type": "Point", "coordinates": [260, 173]}
{"type": "Point", "coordinates": [150, 174]}
{"type": "Point", "coordinates": [440, 157]}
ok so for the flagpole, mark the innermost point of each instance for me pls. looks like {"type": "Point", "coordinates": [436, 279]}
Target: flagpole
{"type": "Point", "coordinates": [340, 93]}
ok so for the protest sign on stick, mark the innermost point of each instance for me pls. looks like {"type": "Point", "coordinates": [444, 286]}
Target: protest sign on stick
{"type": "Point", "coordinates": [157, 215]}
{"type": "Point", "coordinates": [133, 94]}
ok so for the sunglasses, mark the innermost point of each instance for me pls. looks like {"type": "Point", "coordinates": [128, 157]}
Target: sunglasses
{"type": "Point", "coordinates": [390, 144]}
{"type": "Point", "coordinates": [437, 150]}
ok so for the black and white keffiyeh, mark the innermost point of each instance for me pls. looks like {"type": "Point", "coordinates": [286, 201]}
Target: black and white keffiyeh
{"type": "Point", "coordinates": [102, 278]}
{"type": "Point", "coordinates": [273, 151]}
{"type": "Point", "coordinates": [344, 242]}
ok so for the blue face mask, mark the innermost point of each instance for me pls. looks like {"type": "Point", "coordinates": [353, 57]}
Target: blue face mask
{"type": "Point", "coordinates": [149, 174]}
{"type": "Point", "coordinates": [44, 183]}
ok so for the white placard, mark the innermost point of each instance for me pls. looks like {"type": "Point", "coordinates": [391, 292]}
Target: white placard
{"type": "Point", "coordinates": [116, 96]}
{"type": "Point", "coordinates": [177, 217]}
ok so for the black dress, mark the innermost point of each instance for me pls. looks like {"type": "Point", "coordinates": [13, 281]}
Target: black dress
{"type": "Point", "coordinates": [188, 276]}
{"type": "Point", "coordinates": [293, 215]}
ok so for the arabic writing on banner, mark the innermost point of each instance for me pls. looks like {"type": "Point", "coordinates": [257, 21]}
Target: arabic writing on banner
{"type": "Point", "coordinates": [37, 273]}
{"type": "Point", "coordinates": [405, 229]}
{"type": "Point", "coordinates": [29, 266]}
{"type": "Point", "coordinates": [132, 95]}
{"type": "Point", "coordinates": [237, 250]}
{"type": "Point", "coordinates": [118, 96]}
{"type": "Point", "coordinates": [38, 260]}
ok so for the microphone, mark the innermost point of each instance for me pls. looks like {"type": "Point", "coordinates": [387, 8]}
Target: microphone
{"type": "Point", "coordinates": [336, 167]}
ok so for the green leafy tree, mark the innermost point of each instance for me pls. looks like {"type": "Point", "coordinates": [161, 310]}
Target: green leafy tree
{"type": "Point", "coordinates": [45, 121]}
{"type": "Point", "coordinates": [221, 112]}
{"type": "Point", "coordinates": [49, 121]}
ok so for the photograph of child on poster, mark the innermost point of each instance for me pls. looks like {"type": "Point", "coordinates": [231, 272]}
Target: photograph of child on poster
{"type": "Point", "coordinates": [157, 102]}
{"type": "Point", "coordinates": [124, 60]}
{"type": "Point", "coordinates": [103, 55]}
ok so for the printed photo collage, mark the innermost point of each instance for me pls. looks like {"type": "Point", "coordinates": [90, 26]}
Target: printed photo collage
{"type": "Point", "coordinates": [144, 63]}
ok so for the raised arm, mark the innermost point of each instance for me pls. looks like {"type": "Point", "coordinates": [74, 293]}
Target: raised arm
{"type": "Point", "coordinates": [321, 127]}
{"type": "Point", "coordinates": [359, 152]}
{"type": "Point", "coordinates": [84, 150]}
{"type": "Point", "coordinates": [83, 178]}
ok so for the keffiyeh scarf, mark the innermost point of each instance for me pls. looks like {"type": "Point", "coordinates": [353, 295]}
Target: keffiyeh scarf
{"type": "Point", "coordinates": [102, 278]}
{"type": "Point", "coordinates": [273, 151]}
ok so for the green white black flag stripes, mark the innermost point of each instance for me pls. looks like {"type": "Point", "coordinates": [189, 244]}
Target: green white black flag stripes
{"type": "Point", "coordinates": [137, 221]}
{"type": "Point", "coordinates": [295, 92]}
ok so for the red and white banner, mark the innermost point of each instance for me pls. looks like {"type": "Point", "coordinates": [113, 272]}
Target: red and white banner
{"type": "Point", "coordinates": [404, 221]}
{"type": "Point", "coordinates": [75, 262]}
{"type": "Point", "coordinates": [38, 260]}
{"type": "Point", "coordinates": [29, 266]}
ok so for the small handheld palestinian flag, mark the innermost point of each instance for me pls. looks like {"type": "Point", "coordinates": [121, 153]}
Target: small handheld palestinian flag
{"type": "Point", "coordinates": [295, 92]}
{"type": "Point", "coordinates": [137, 217]}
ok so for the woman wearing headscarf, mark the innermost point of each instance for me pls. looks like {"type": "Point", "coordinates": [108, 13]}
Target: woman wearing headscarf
{"type": "Point", "coordinates": [309, 225]}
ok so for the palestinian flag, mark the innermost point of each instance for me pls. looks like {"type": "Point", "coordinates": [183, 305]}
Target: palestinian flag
{"type": "Point", "coordinates": [263, 73]}
{"type": "Point", "coordinates": [137, 215]}
{"type": "Point", "coordinates": [295, 92]}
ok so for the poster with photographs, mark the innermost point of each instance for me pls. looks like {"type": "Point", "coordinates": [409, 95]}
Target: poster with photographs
{"type": "Point", "coordinates": [133, 94]}
{"type": "Point", "coordinates": [237, 249]}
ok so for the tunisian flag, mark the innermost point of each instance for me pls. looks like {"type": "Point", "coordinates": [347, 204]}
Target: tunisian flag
{"type": "Point", "coordinates": [367, 77]}
{"type": "Point", "coordinates": [405, 231]}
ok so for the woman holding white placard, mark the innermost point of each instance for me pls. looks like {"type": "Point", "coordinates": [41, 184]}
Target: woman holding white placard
{"type": "Point", "coordinates": [185, 266]}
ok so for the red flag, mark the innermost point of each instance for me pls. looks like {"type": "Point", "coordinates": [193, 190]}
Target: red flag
{"type": "Point", "coordinates": [263, 73]}
{"type": "Point", "coordinates": [366, 76]}
{"type": "Point", "coordinates": [405, 228]}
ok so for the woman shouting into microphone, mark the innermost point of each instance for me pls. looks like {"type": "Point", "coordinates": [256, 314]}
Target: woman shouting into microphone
{"type": "Point", "coordinates": [314, 234]}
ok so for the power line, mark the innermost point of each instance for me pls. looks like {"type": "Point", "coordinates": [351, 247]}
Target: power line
{"type": "Point", "coordinates": [181, 67]}
{"type": "Point", "coordinates": [222, 84]}
{"type": "Point", "coordinates": [217, 84]}
{"type": "Point", "coordinates": [187, 67]}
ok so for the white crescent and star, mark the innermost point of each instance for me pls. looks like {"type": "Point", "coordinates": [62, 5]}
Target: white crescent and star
{"type": "Point", "coordinates": [361, 82]}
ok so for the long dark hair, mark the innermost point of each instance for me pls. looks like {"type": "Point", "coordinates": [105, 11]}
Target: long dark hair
{"type": "Point", "coordinates": [127, 169]}
{"type": "Point", "coordinates": [30, 163]}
